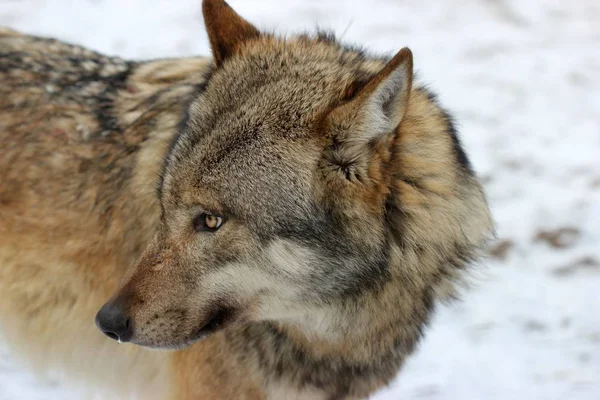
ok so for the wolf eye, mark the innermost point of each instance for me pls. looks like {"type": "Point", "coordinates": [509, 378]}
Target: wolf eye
{"type": "Point", "coordinates": [206, 222]}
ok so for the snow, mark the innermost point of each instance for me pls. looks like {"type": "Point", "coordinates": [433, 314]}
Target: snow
{"type": "Point", "coordinates": [523, 80]}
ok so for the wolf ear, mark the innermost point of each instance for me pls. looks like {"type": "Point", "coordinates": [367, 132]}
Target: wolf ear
{"type": "Point", "coordinates": [377, 109]}
{"type": "Point", "coordinates": [226, 29]}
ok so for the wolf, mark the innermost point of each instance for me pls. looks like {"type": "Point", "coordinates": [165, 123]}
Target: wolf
{"type": "Point", "coordinates": [284, 216]}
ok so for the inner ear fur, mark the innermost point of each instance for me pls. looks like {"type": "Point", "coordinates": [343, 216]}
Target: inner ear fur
{"type": "Point", "coordinates": [362, 129]}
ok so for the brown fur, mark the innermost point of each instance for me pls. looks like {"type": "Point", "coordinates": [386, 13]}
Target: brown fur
{"type": "Point", "coordinates": [85, 138]}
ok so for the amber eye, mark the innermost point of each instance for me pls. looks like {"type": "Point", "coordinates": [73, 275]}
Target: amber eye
{"type": "Point", "coordinates": [207, 222]}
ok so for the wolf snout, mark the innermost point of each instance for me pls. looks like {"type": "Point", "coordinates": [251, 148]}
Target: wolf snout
{"type": "Point", "coordinates": [114, 321]}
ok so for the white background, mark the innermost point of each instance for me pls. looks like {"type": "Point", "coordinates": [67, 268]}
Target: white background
{"type": "Point", "coordinates": [523, 79]}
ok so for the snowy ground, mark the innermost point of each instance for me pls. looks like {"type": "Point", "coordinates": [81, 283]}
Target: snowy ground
{"type": "Point", "coordinates": [523, 79]}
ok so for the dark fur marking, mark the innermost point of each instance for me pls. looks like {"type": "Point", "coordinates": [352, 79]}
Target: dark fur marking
{"type": "Point", "coordinates": [276, 351]}
{"type": "Point", "coordinates": [323, 234]}
{"type": "Point", "coordinates": [461, 156]}
{"type": "Point", "coordinates": [326, 36]}
{"type": "Point", "coordinates": [71, 78]}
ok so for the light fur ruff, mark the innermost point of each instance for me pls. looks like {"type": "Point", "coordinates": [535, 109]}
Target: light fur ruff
{"type": "Point", "coordinates": [349, 210]}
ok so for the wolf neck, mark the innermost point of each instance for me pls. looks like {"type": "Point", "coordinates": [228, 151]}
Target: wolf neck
{"type": "Point", "coordinates": [348, 329]}
{"type": "Point", "coordinates": [344, 349]}
{"type": "Point", "coordinates": [351, 347]}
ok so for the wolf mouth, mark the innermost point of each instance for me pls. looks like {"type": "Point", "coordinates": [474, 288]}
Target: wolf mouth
{"type": "Point", "coordinates": [219, 319]}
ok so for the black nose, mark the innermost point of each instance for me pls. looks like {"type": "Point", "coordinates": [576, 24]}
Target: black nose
{"type": "Point", "coordinates": [112, 319]}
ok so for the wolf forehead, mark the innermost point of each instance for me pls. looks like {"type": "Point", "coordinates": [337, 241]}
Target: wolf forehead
{"type": "Point", "coordinates": [254, 126]}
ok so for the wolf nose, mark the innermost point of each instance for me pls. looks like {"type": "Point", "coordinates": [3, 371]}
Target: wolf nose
{"type": "Point", "coordinates": [112, 319]}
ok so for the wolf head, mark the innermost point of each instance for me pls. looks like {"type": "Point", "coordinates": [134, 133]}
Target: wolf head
{"type": "Point", "coordinates": [280, 193]}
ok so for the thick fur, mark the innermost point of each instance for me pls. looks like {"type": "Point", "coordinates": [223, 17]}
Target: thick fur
{"type": "Point", "coordinates": [338, 242]}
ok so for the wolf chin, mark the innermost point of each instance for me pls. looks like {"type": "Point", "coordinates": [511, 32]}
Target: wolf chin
{"type": "Point", "coordinates": [285, 215]}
